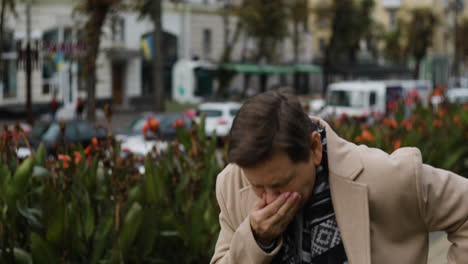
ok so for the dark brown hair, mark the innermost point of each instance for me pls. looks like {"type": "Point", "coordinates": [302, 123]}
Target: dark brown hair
{"type": "Point", "coordinates": [266, 123]}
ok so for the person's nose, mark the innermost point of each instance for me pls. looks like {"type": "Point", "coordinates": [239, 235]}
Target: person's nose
{"type": "Point", "coordinates": [271, 195]}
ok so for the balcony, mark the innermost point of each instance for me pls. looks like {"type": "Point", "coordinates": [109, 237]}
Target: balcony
{"type": "Point", "coordinates": [391, 3]}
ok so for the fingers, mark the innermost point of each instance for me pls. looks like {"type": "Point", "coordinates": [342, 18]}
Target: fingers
{"type": "Point", "coordinates": [261, 203]}
{"type": "Point", "coordinates": [288, 210]}
{"type": "Point", "coordinates": [273, 208]}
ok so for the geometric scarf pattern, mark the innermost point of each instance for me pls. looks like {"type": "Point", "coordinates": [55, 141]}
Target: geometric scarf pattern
{"type": "Point", "coordinates": [313, 237]}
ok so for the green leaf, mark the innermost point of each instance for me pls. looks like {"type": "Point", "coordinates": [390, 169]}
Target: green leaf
{"type": "Point", "coordinates": [135, 195]}
{"type": "Point", "coordinates": [88, 218]}
{"type": "Point", "coordinates": [40, 172]}
{"type": "Point", "coordinates": [42, 253]}
{"type": "Point", "coordinates": [147, 238]}
{"type": "Point", "coordinates": [5, 178]}
{"type": "Point", "coordinates": [151, 194]}
{"type": "Point", "coordinates": [454, 157]}
{"type": "Point", "coordinates": [32, 214]}
{"type": "Point", "coordinates": [22, 256]}
{"type": "Point", "coordinates": [19, 182]}
{"type": "Point", "coordinates": [56, 224]}
{"type": "Point", "coordinates": [90, 176]}
{"type": "Point", "coordinates": [41, 155]}
{"type": "Point", "coordinates": [101, 238]}
{"type": "Point", "coordinates": [201, 128]}
{"type": "Point", "coordinates": [130, 227]}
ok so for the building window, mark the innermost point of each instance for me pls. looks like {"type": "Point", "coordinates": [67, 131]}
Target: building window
{"type": "Point", "coordinates": [322, 23]}
{"type": "Point", "coordinates": [392, 20]}
{"type": "Point", "coordinates": [9, 66]}
{"type": "Point", "coordinates": [118, 29]}
{"type": "Point", "coordinates": [9, 78]}
{"type": "Point", "coordinates": [207, 42]}
{"type": "Point", "coordinates": [322, 44]}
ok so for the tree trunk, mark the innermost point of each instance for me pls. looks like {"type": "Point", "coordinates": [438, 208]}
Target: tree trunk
{"type": "Point", "coordinates": [158, 59]}
{"type": "Point", "coordinates": [296, 43]}
{"type": "Point", "coordinates": [2, 24]}
{"type": "Point", "coordinates": [224, 76]}
{"type": "Point", "coordinates": [263, 82]}
{"type": "Point", "coordinates": [416, 69]}
{"type": "Point", "coordinates": [93, 28]}
{"type": "Point", "coordinates": [245, 88]}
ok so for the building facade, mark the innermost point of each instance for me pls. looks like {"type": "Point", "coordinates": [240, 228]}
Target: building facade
{"type": "Point", "coordinates": [192, 30]}
{"type": "Point", "coordinates": [387, 13]}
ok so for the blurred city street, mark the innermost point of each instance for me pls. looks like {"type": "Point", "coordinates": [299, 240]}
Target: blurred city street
{"type": "Point", "coordinates": [115, 115]}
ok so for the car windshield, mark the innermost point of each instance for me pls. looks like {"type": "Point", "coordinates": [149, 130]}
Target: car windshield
{"type": "Point", "coordinates": [210, 112]}
{"type": "Point", "coordinates": [38, 130]}
{"type": "Point", "coordinates": [346, 98]}
{"type": "Point", "coordinates": [85, 130]}
{"type": "Point", "coordinates": [233, 112]}
{"type": "Point", "coordinates": [52, 133]}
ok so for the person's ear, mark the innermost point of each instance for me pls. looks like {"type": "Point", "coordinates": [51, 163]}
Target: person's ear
{"type": "Point", "coordinates": [316, 148]}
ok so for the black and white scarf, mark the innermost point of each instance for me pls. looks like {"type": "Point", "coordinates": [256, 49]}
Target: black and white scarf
{"type": "Point", "coordinates": [313, 237]}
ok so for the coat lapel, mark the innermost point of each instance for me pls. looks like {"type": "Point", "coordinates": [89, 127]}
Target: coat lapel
{"type": "Point", "coordinates": [350, 202]}
{"type": "Point", "coordinates": [350, 198]}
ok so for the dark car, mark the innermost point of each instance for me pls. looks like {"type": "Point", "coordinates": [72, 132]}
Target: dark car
{"type": "Point", "coordinates": [76, 132]}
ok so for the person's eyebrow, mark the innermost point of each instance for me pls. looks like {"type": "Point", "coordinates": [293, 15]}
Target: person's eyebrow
{"type": "Point", "coordinates": [284, 181]}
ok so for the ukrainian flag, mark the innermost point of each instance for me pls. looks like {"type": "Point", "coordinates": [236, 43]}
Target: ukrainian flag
{"type": "Point", "coordinates": [57, 57]}
{"type": "Point", "coordinates": [147, 46]}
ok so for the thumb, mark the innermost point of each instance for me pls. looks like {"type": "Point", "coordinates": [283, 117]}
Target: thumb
{"type": "Point", "coordinates": [261, 203]}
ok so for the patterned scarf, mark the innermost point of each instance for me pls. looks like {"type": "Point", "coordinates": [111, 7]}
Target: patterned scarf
{"type": "Point", "coordinates": [313, 237]}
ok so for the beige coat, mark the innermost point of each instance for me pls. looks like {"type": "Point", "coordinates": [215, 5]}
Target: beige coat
{"type": "Point", "coordinates": [385, 206]}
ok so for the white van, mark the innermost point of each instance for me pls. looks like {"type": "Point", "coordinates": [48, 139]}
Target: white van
{"type": "Point", "coordinates": [362, 98]}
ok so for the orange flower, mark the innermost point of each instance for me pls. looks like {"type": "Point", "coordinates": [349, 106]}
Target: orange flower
{"type": "Point", "coordinates": [396, 144]}
{"type": "Point", "coordinates": [87, 150]}
{"type": "Point", "coordinates": [421, 128]}
{"type": "Point", "coordinates": [441, 113]}
{"type": "Point", "coordinates": [179, 123]}
{"type": "Point", "coordinates": [358, 139]}
{"type": "Point", "coordinates": [437, 123]}
{"type": "Point", "coordinates": [65, 160]}
{"type": "Point", "coordinates": [153, 124]}
{"type": "Point", "coordinates": [367, 135]}
{"type": "Point", "coordinates": [408, 124]}
{"type": "Point", "coordinates": [390, 122]}
{"type": "Point", "coordinates": [95, 142]}
{"type": "Point", "coordinates": [456, 119]}
{"type": "Point", "coordinates": [78, 157]}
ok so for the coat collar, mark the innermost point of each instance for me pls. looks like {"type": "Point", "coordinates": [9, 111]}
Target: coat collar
{"type": "Point", "coordinates": [350, 198]}
{"type": "Point", "coordinates": [343, 158]}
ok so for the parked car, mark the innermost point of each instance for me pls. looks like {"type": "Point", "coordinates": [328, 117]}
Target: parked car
{"type": "Point", "coordinates": [458, 95]}
{"type": "Point", "coordinates": [218, 117]}
{"type": "Point", "coordinates": [165, 120]}
{"type": "Point", "coordinates": [76, 132]}
{"type": "Point", "coordinates": [132, 137]}
{"type": "Point", "coordinates": [362, 98]}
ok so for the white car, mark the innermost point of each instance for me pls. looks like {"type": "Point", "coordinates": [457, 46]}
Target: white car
{"type": "Point", "coordinates": [218, 117]}
{"type": "Point", "coordinates": [458, 95]}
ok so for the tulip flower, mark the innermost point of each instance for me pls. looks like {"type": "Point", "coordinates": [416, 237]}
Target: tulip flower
{"type": "Point", "coordinates": [65, 160]}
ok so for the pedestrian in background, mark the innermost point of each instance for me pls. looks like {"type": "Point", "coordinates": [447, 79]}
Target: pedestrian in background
{"type": "Point", "coordinates": [54, 106]}
{"type": "Point", "coordinates": [79, 108]}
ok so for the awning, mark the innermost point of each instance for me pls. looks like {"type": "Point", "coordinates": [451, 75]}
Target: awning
{"type": "Point", "coordinates": [308, 68]}
{"type": "Point", "coordinates": [250, 68]}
